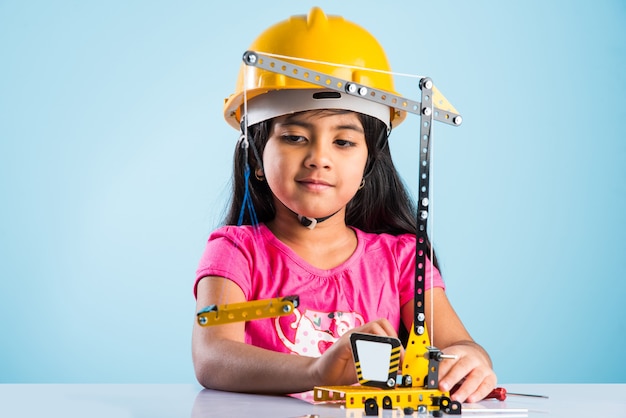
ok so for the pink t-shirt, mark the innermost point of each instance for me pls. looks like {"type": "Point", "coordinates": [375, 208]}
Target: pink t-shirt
{"type": "Point", "coordinates": [373, 283]}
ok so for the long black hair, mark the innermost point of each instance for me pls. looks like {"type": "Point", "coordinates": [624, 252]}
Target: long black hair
{"type": "Point", "coordinates": [382, 205]}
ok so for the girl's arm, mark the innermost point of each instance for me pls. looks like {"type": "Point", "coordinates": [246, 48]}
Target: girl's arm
{"type": "Point", "coordinates": [472, 366]}
{"type": "Point", "coordinates": [222, 360]}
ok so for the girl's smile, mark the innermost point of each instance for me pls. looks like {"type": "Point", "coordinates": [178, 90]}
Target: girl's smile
{"type": "Point", "coordinates": [314, 184]}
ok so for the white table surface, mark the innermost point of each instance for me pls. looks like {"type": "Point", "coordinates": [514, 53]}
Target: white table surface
{"type": "Point", "coordinates": [189, 400]}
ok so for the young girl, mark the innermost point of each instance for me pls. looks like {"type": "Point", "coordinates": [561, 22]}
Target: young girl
{"type": "Point", "coordinates": [334, 225]}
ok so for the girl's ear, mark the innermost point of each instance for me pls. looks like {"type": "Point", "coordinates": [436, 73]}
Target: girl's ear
{"type": "Point", "coordinates": [258, 173]}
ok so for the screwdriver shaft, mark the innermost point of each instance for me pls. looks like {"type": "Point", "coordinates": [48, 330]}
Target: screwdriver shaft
{"type": "Point", "coordinates": [527, 394]}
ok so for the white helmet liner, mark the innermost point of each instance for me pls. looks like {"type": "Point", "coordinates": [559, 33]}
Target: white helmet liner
{"type": "Point", "coordinates": [288, 101]}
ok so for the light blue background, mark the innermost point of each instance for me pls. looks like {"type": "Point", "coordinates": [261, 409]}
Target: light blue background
{"type": "Point", "coordinates": [115, 160]}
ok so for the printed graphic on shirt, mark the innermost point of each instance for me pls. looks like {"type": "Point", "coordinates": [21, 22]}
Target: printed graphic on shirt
{"type": "Point", "coordinates": [312, 333]}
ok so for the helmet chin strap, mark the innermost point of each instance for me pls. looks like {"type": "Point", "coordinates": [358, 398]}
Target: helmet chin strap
{"type": "Point", "coordinates": [312, 222]}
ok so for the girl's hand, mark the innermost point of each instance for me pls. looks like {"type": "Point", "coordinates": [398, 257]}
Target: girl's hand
{"type": "Point", "coordinates": [471, 372]}
{"type": "Point", "coordinates": [336, 365]}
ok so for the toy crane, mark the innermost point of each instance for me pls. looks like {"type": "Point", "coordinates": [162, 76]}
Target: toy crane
{"type": "Point", "coordinates": [376, 358]}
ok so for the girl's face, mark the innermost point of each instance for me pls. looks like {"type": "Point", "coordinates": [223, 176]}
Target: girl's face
{"type": "Point", "coordinates": [314, 161]}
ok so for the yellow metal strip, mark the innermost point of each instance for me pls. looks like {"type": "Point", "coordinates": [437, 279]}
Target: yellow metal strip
{"type": "Point", "coordinates": [415, 364]}
{"type": "Point", "coordinates": [441, 103]}
{"type": "Point", "coordinates": [247, 311]}
{"type": "Point", "coordinates": [400, 397]}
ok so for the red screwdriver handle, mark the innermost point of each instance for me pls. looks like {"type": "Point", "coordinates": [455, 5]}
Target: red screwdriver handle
{"type": "Point", "coordinates": [497, 393]}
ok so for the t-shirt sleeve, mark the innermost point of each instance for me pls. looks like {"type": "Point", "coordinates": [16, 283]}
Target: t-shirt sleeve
{"type": "Point", "coordinates": [226, 255]}
{"type": "Point", "coordinates": [406, 259]}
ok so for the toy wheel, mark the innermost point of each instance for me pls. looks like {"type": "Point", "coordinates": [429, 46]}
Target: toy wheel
{"type": "Point", "coordinates": [371, 407]}
{"type": "Point", "coordinates": [449, 406]}
{"type": "Point", "coordinates": [387, 404]}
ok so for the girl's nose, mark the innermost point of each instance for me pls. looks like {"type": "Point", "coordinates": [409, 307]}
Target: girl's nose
{"type": "Point", "coordinates": [319, 155]}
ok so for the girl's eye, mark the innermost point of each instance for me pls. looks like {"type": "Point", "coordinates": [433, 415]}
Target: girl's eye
{"type": "Point", "coordinates": [293, 138]}
{"type": "Point", "coordinates": [344, 143]}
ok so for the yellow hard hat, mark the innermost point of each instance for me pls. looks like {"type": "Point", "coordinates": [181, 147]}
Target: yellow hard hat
{"type": "Point", "coordinates": [331, 45]}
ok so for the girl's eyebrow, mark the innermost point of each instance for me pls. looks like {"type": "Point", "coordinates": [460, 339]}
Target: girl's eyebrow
{"type": "Point", "coordinates": [350, 126]}
{"type": "Point", "coordinates": [294, 122]}
{"type": "Point", "coordinates": [289, 121]}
